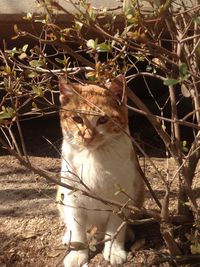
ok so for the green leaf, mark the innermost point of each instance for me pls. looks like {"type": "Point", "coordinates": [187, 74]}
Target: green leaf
{"type": "Point", "coordinates": [10, 111]}
{"type": "Point", "coordinates": [90, 11]}
{"type": "Point", "coordinates": [171, 82]}
{"type": "Point", "coordinates": [59, 60]}
{"type": "Point", "coordinates": [119, 189]}
{"type": "Point", "coordinates": [34, 106]}
{"type": "Point", "coordinates": [128, 7]}
{"type": "Point", "coordinates": [31, 74]}
{"type": "Point", "coordinates": [78, 25]}
{"type": "Point", "coordinates": [140, 57]}
{"type": "Point", "coordinates": [103, 47]}
{"type": "Point", "coordinates": [38, 90]}
{"type": "Point", "coordinates": [28, 16]}
{"type": "Point", "coordinates": [149, 68]}
{"type": "Point", "coordinates": [24, 48]}
{"type": "Point", "coordinates": [184, 146]}
{"type": "Point", "coordinates": [91, 76]}
{"type": "Point", "coordinates": [7, 69]}
{"type": "Point", "coordinates": [183, 71]}
{"type": "Point", "coordinates": [37, 63]}
{"type": "Point", "coordinates": [92, 43]}
{"type": "Point", "coordinates": [63, 61]}
{"type": "Point", "coordinates": [13, 52]}
{"type": "Point", "coordinates": [195, 249]}
{"type": "Point", "coordinates": [6, 113]}
{"type": "Point", "coordinates": [130, 11]}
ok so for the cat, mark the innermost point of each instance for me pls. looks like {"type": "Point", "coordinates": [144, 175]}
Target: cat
{"type": "Point", "coordinates": [98, 157]}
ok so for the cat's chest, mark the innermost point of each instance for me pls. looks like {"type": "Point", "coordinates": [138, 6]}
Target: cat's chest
{"type": "Point", "coordinates": [102, 173]}
{"type": "Point", "coordinates": [103, 170]}
{"type": "Point", "coordinates": [99, 165]}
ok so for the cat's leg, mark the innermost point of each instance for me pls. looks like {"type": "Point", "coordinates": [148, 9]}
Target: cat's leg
{"type": "Point", "coordinates": [75, 237]}
{"type": "Point", "coordinates": [114, 250]}
{"type": "Point", "coordinates": [76, 258]}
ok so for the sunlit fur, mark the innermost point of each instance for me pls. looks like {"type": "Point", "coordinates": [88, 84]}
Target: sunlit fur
{"type": "Point", "coordinates": [91, 102]}
{"type": "Point", "coordinates": [98, 157]}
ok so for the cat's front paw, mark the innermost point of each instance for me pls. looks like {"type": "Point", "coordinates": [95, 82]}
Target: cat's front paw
{"type": "Point", "coordinates": [76, 258]}
{"type": "Point", "coordinates": [115, 256]}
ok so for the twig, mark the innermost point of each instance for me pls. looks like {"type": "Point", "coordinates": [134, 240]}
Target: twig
{"type": "Point", "coordinates": [53, 179]}
{"type": "Point", "coordinates": [171, 244]}
{"type": "Point", "coordinates": [113, 237]}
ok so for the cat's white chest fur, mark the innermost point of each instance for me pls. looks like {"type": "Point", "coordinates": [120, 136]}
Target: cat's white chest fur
{"type": "Point", "coordinates": [103, 170]}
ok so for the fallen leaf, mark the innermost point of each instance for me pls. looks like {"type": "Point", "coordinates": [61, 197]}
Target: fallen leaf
{"type": "Point", "coordinates": [53, 254]}
{"type": "Point", "coordinates": [28, 235]}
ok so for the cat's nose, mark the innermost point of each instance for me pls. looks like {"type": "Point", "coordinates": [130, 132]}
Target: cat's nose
{"type": "Point", "coordinates": [88, 135]}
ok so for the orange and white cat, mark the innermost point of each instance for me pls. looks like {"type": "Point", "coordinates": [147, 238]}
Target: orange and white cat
{"type": "Point", "coordinates": [97, 156]}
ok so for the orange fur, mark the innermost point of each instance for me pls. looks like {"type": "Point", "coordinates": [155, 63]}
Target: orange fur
{"type": "Point", "coordinates": [89, 101]}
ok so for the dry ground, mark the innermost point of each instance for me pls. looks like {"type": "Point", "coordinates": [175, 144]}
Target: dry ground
{"type": "Point", "coordinates": [30, 227]}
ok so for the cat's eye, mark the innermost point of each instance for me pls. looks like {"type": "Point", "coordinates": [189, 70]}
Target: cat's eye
{"type": "Point", "coordinates": [102, 120]}
{"type": "Point", "coordinates": [77, 119]}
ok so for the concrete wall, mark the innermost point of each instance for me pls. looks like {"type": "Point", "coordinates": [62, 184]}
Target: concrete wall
{"type": "Point", "coordinates": [12, 12]}
{"type": "Point", "coordinates": [14, 9]}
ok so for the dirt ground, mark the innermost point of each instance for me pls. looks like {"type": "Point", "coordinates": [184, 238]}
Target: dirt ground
{"type": "Point", "coordinates": [30, 227]}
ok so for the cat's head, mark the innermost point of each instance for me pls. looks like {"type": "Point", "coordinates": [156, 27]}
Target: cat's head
{"type": "Point", "coordinates": [92, 115]}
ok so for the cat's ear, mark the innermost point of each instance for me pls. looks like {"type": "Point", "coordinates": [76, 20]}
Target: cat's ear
{"type": "Point", "coordinates": [118, 87]}
{"type": "Point", "coordinates": [66, 91]}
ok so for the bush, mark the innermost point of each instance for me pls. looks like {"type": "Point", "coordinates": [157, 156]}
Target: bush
{"type": "Point", "coordinates": [155, 41]}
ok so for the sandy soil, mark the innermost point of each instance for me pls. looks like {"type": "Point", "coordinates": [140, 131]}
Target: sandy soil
{"type": "Point", "coordinates": [30, 227]}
